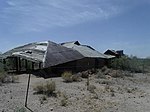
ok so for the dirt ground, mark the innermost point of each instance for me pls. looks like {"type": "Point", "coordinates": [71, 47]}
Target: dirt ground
{"type": "Point", "coordinates": [128, 94]}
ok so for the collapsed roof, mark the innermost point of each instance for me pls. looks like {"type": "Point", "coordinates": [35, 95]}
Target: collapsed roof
{"type": "Point", "coordinates": [51, 54]}
{"type": "Point", "coordinates": [33, 51]}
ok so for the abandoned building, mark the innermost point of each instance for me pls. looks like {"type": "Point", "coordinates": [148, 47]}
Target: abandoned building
{"type": "Point", "coordinates": [49, 58]}
{"type": "Point", "coordinates": [117, 53]}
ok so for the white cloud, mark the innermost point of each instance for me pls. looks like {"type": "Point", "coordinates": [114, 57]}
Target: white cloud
{"type": "Point", "coordinates": [38, 15]}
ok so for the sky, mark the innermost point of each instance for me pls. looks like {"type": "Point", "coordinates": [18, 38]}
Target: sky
{"type": "Point", "coordinates": [102, 24]}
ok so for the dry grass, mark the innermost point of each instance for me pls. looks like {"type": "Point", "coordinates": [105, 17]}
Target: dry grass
{"type": "Point", "coordinates": [69, 77]}
{"type": "Point", "coordinates": [5, 78]}
{"type": "Point", "coordinates": [47, 88]}
{"type": "Point", "coordinates": [100, 75]}
{"type": "Point", "coordinates": [15, 79]}
{"type": "Point", "coordinates": [104, 72]}
{"type": "Point", "coordinates": [76, 78]}
{"type": "Point", "coordinates": [91, 88]}
{"type": "Point", "coordinates": [64, 100]}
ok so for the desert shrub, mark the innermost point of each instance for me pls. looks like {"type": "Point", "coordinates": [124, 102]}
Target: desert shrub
{"type": "Point", "coordinates": [127, 73]}
{"type": "Point", "coordinates": [47, 88]}
{"type": "Point", "coordinates": [67, 76]}
{"type": "Point", "coordinates": [145, 64]}
{"type": "Point", "coordinates": [93, 71]}
{"type": "Point", "coordinates": [1, 67]}
{"type": "Point", "coordinates": [100, 74]}
{"type": "Point", "coordinates": [125, 63]}
{"type": "Point", "coordinates": [50, 87]}
{"type": "Point", "coordinates": [91, 88]}
{"type": "Point", "coordinates": [120, 63]}
{"type": "Point", "coordinates": [103, 69]}
{"type": "Point", "coordinates": [76, 78]}
{"type": "Point", "coordinates": [103, 72]}
{"type": "Point", "coordinates": [85, 74]}
{"type": "Point", "coordinates": [7, 78]}
{"type": "Point", "coordinates": [43, 99]}
{"type": "Point", "coordinates": [3, 76]}
{"type": "Point", "coordinates": [105, 81]}
{"type": "Point", "coordinates": [64, 100]}
{"type": "Point", "coordinates": [14, 79]}
{"type": "Point", "coordinates": [39, 88]}
{"type": "Point", "coordinates": [117, 74]}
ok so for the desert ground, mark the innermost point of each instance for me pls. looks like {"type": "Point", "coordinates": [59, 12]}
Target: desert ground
{"type": "Point", "coordinates": [120, 94]}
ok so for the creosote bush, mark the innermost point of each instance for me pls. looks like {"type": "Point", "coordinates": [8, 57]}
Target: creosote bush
{"type": "Point", "coordinates": [103, 72]}
{"type": "Point", "coordinates": [5, 78]}
{"type": "Point", "coordinates": [64, 100]}
{"type": "Point", "coordinates": [47, 88]}
{"type": "Point", "coordinates": [100, 74]}
{"type": "Point", "coordinates": [69, 77]}
{"type": "Point", "coordinates": [132, 64]}
{"type": "Point", "coordinates": [76, 78]}
{"type": "Point", "coordinates": [2, 77]}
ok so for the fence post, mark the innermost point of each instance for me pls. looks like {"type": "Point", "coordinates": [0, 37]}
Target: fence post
{"type": "Point", "coordinates": [26, 100]}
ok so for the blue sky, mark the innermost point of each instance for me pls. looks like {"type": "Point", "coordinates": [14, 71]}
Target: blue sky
{"type": "Point", "coordinates": [103, 24]}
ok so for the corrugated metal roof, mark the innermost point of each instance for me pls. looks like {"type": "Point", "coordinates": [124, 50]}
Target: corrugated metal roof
{"type": "Point", "coordinates": [30, 55]}
{"type": "Point", "coordinates": [58, 54]}
{"type": "Point", "coordinates": [86, 51]}
{"type": "Point", "coordinates": [33, 51]}
{"type": "Point", "coordinates": [48, 52]}
{"type": "Point", "coordinates": [51, 54]}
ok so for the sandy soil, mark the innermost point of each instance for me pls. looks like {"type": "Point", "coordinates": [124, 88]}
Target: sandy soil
{"type": "Point", "coordinates": [128, 94]}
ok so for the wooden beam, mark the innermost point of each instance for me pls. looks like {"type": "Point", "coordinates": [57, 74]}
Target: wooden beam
{"type": "Point", "coordinates": [32, 65]}
{"type": "Point", "coordinates": [16, 59]}
{"type": "Point", "coordinates": [26, 65]}
{"type": "Point", "coordinates": [19, 64]}
{"type": "Point", "coordinates": [40, 65]}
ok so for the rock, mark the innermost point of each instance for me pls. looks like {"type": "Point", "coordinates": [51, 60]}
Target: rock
{"type": "Point", "coordinates": [51, 109]}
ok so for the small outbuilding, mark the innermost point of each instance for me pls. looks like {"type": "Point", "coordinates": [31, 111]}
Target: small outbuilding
{"type": "Point", "coordinates": [117, 54]}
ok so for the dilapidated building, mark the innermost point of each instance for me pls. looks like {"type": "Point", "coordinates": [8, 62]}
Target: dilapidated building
{"type": "Point", "coordinates": [49, 58]}
{"type": "Point", "coordinates": [92, 58]}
